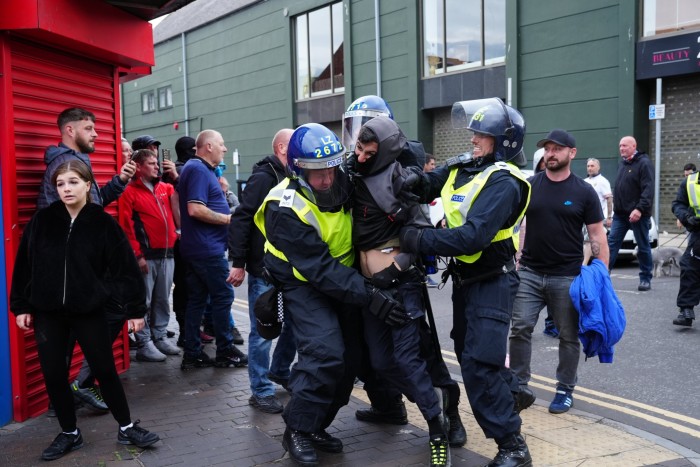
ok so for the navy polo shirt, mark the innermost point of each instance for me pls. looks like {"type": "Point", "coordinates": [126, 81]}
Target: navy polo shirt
{"type": "Point", "coordinates": [198, 183]}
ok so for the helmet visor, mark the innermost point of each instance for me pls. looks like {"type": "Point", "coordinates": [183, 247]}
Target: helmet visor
{"type": "Point", "coordinates": [327, 188]}
{"type": "Point", "coordinates": [353, 121]}
{"type": "Point", "coordinates": [467, 114]}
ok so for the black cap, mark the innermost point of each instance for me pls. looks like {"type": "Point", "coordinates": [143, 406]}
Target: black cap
{"type": "Point", "coordinates": [184, 148]}
{"type": "Point", "coordinates": [267, 315]}
{"type": "Point", "coordinates": [560, 137]}
{"type": "Point", "coordinates": [142, 142]}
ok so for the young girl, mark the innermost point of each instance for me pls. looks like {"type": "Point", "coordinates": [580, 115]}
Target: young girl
{"type": "Point", "coordinates": [72, 258]}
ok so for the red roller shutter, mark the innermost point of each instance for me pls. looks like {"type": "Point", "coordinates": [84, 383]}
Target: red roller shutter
{"type": "Point", "coordinates": [43, 82]}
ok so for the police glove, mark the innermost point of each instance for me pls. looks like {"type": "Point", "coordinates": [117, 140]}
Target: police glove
{"type": "Point", "coordinates": [387, 277]}
{"type": "Point", "coordinates": [409, 238]}
{"type": "Point", "coordinates": [387, 309]}
{"type": "Point", "coordinates": [692, 223]}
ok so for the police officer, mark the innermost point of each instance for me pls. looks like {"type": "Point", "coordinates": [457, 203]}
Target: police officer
{"type": "Point", "coordinates": [308, 230]}
{"type": "Point", "coordinates": [484, 196]}
{"type": "Point", "coordinates": [686, 207]}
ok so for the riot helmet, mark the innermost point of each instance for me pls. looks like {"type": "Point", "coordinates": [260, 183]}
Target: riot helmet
{"type": "Point", "coordinates": [316, 158]}
{"type": "Point", "coordinates": [360, 112]}
{"type": "Point", "coordinates": [493, 118]}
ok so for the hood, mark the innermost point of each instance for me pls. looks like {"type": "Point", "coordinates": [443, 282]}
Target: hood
{"type": "Point", "coordinates": [269, 160]}
{"type": "Point", "coordinates": [52, 152]}
{"type": "Point", "coordinates": [391, 142]}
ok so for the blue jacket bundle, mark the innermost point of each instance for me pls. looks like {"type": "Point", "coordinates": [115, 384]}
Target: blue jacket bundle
{"type": "Point", "coordinates": [601, 316]}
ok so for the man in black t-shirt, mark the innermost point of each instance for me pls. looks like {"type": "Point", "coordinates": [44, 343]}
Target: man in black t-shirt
{"type": "Point", "coordinates": [560, 205]}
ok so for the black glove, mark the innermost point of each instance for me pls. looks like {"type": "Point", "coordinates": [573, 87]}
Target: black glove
{"type": "Point", "coordinates": [411, 186]}
{"type": "Point", "coordinates": [387, 277]}
{"type": "Point", "coordinates": [692, 223]}
{"type": "Point", "coordinates": [386, 308]}
{"type": "Point", "coordinates": [409, 238]}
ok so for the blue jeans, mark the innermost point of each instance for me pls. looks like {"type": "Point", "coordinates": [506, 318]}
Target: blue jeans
{"type": "Point", "coordinates": [535, 291]}
{"type": "Point", "coordinates": [258, 348]}
{"type": "Point", "coordinates": [640, 229]}
{"type": "Point", "coordinates": [206, 279]}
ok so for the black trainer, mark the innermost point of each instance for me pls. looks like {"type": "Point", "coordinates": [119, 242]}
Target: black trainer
{"type": "Point", "coordinates": [321, 440]}
{"type": "Point", "coordinates": [137, 436]}
{"type": "Point", "coordinates": [202, 360]}
{"type": "Point", "coordinates": [231, 358]}
{"type": "Point", "coordinates": [90, 396]}
{"type": "Point", "coordinates": [300, 448]}
{"type": "Point", "coordinates": [523, 399]}
{"type": "Point", "coordinates": [439, 451]}
{"type": "Point", "coordinates": [62, 445]}
{"type": "Point", "coordinates": [512, 452]}
{"type": "Point", "coordinates": [267, 404]}
{"type": "Point", "coordinates": [237, 338]}
{"type": "Point", "coordinates": [396, 415]}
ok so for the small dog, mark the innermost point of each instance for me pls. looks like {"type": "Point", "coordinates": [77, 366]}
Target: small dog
{"type": "Point", "coordinates": [664, 260]}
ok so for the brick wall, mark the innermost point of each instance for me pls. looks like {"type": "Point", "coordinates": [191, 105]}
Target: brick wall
{"type": "Point", "coordinates": [680, 140]}
{"type": "Point", "coordinates": [447, 141]}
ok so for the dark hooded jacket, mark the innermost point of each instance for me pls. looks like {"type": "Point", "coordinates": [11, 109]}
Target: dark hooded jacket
{"type": "Point", "coordinates": [378, 212]}
{"type": "Point", "coordinates": [245, 241]}
{"type": "Point", "coordinates": [634, 186]}
{"type": "Point", "coordinates": [55, 156]}
{"type": "Point", "coordinates": [77, 267]}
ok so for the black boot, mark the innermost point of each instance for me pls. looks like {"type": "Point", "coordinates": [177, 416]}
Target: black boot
{"type": "Point", "coordinates": [395, 415]}
{"type": "Point", "coordinates": [512, 452]}
{"type": "Point", "coordinates": [457, 434]}
{"type": "Point", "coordinates": [300, 448]}
{"type": "Point", "coordinates": [685, 317]}
{"type": "Point", "coordinates": [523, 399]}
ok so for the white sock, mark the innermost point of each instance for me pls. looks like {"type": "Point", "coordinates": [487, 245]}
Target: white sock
{"type": "Point", "coordinates": [123, 428]}
{"type": "Point", "coordinates": [71, 432]}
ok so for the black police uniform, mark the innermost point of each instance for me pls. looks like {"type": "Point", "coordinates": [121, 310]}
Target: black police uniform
{"type": "Point", "coordinates": [689, 290]}
{"type": "Point", "coordinates": [324, 315]}
{"type": "Point", "coordinates": [483, 293]}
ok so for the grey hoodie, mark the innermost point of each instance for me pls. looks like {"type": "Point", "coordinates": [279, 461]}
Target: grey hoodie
{"type": "Point", "coordinates": [55, 156]}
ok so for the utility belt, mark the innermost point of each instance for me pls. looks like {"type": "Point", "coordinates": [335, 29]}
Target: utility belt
{"type": "Point", "coordinates": [463, 275]}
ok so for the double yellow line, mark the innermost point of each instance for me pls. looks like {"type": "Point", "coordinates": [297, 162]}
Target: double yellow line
{"type": "Point", "coordinates": [619, 404]}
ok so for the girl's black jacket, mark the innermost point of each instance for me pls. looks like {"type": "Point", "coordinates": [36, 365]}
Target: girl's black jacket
{"type": "Point", "coordinates": [81, 268]}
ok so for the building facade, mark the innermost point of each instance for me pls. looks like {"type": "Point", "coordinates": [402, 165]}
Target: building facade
{"type": "Point", "coordinates": [248, 68]}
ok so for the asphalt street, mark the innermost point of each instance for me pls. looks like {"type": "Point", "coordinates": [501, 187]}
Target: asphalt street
{"type": "Point", "coordinates": [653, 381]}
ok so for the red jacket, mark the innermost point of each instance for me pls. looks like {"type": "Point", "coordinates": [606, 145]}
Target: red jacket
{"type": "Point", "coordinates": [147, 219]}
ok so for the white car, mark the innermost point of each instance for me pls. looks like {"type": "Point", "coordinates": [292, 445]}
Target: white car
{"type": "Point", "coordinates": [629, 246]}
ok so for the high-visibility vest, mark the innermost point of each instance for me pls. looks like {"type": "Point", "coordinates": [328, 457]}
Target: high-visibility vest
{"type": "Point", "coordinates": [334, 228]}
{"type": "Point", "coordinates": [458, 201]}
{"type": "Point", "coordinates": [694, 192]}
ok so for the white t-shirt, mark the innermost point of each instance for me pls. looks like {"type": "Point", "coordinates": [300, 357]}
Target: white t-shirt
{"type": "Point", "coordinates": [601, 185]}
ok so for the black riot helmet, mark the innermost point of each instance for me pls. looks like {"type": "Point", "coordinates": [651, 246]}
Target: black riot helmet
{"type": "Point", "coordinates": [494, 118]}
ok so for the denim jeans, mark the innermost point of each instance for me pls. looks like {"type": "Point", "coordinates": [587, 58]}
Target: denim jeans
{"type": "Point", "coordinates": [640, 229]}
{"type": "Point", "coordinates": [206, 279]}
{"type": "Point", "coordinates": [258, 348]}
{"type": "Point", "coordinates": [537, 290]}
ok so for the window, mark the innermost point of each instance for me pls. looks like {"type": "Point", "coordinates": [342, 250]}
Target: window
{"type": "Point", "coordinates": [148, 102]}
{"type": "Point", "coordinates": [165, 97]}
{"type": "Point", "coordinates": [664, 16]}
{"type": "Point", "coordinates": [462, 34]}
{"type": "Point", "coordinates": [319, 52]}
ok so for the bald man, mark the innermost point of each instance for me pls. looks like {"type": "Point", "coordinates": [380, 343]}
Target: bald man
{"type": "Point", "coordinates": [633, 198]}
{"type": "Point", "coordinates": [205, 217]}
{"type": "Point", "coordinates": [246, 250]}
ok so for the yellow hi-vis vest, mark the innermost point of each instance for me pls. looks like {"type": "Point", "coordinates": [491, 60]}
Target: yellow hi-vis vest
{"type": "Point", "coordinates": [457, 202]}
{"type": "Point", "coordinates": [694, 192]}
{"type": "Point", "coordinates": [334, 228]}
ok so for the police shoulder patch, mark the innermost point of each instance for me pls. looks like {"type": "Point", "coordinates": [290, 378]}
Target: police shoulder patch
{"type": "Point", "coordinates": [287, 198]}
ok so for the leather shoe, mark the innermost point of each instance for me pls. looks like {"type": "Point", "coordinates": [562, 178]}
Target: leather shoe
{"type": "Point", "coordinates": [394, 416]}
{"type": "Point", "coordinates": [457, 434]}
{"type": "Point", "coordinates": [644, 286]}
{"type": "Point", "coordinates": [523, 399]}
{"type": "Point", "coordinates": [300, 448]}
{"type": "Point", "coordinates": [325, 442]}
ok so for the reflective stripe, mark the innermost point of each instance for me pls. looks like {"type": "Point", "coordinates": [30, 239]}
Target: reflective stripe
{"type": "Point", "coordinates": [694, 192]}
{"type": "Point", "coordinates": [458, 201]}
{"type": "Point", "coordinates": [334, 228]}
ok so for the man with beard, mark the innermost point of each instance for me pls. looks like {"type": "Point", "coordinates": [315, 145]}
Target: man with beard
{"type": "Point", "coordinates": [77, 127]}
{"type": "Point", "coordinates": [149, 214]}
{"type": "Point", "coordinates": [561, 204]}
